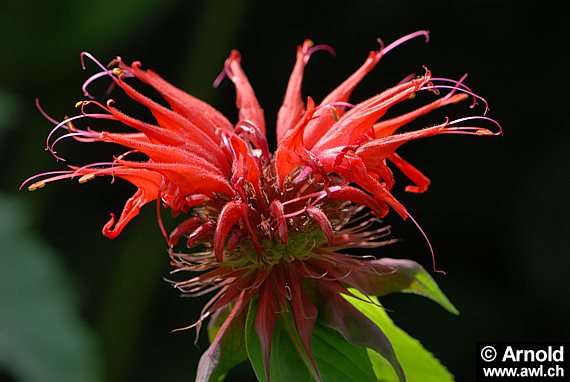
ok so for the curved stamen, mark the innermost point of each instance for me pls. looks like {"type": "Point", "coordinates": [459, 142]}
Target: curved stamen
{"type": "Point", "coordinates": [331, 105]}
{"type": "Point", "coordinates": [408, 78]}
{"type": "Point", "coordinates": [91, 79]}
{"type": "Point", "coordinates": [40, 184]}
{"type": "Point", "coordinates": [255, 135]}
{"type": "Point", "coordinates": [46, 115]}
{"type": "Point", "coordinates": [458, 84]}
{"type": "Point", "coordinates": [474, 129]}
{"type": "Point", "coordinates": [92, 58]}
{"type": "Point", "coordinates": [385, 49]}
{"type": "Point", "coordinates": [219, 78]}
{"type": "Point", "coordinates": [196, 325]}
{"type": "Point", "coordinates": [429, 244]}
{"type": "Point", "coordinates": [98, 164]}
{"type": "Point", "coordinates": [226, 72]}
{"type": "Point", "coordinates": [71, 128]}
{"type": "Point", "coordinates": [86, 137]}
{"type": "Point", "coordinates": [123, 155]}
{"type": "Point", "coordinates": [124, 72]}
{"type": "Point", "coordinates": [322, 47]}
{"type": "Point", "coordinates": [83, 104]}
{"type": "Point", "coordinates": [461, 89]}
{"type": "Point", "coordinates": [319, 195]}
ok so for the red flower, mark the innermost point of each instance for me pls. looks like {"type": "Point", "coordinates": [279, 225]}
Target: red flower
{"type": "Point", "coordinates": [272, 229]}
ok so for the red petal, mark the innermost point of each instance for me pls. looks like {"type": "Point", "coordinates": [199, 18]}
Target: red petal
{"type": "Point", "coordinates": [323, 119]}
{"type": "Point", "coordinates": [389, 127]}
{"type": "Point", "coordinates": [421, 181]}
{"type": "Point", "coordinates": [167, 154]}
{"type": "Point", "coordinates": [379, 149]}
{"type": "Point", "coordinates": [246, 101]}
{"type": "Point", "coordinates": [155, 134]}
{"type": "Point", "coordinates": [131, 209]}
{"type": "Point", "coordinates": [304, 313]}
{"type": "Point", "coordinates": [360, 197]}
{"type": "Point", "coordinates": [293, 107]}
{"type": "Point", "coordinates": [351, 127]}
{"type": "Point", "coordinates": [229, 216]}
{"type": "Point", "coordinates": [148, 184]}
{"type": "Point", "coordinates": [319, 216]}
{"type": "Point", "coordinates": [183, 228]}
{"type": "Point", "coordinates": [171, 120]}
{"type": "Point", "coordinates": [291, 152]}
{"type": "Point", "coordinates": [265, 321]}
{"type": "Point", "coordinates": [278, 214]}
{"type": "Point", "coordinates": [198, 112]}
{"type": "Point", "coordinates": [199, 233]}
{"type": "Point", "coordinates": [352, 168]}
{"type": "Point", "coordinates": [190, 179]}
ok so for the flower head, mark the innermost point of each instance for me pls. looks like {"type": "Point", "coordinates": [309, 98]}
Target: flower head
{"type": "Point", "coordinates": [271, 231]}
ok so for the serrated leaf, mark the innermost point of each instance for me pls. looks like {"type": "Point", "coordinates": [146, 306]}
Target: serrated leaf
{"type": "Point", "coordinates": [418, 363]}
{"type": "Point", "coordinates": [338, 360]}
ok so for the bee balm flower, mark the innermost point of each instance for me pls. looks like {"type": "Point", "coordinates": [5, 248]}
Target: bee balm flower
{"type": "Point", "coordinates": [271, 234]}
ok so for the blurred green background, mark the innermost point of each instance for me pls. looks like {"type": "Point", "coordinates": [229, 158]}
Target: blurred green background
{"type": "Point", "coordinates": [75, 306]}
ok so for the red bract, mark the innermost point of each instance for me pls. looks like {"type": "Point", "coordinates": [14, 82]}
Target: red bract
{"type": "Point", "coordinates": [272, 229]}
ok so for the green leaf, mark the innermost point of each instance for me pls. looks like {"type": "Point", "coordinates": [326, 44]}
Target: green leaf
{"type": "Point", "coordinates": [226, 332]}
{"type": "Point", "coordinates": [399, 275]}
{"type": "Point", "coordinates": [42, 337]}
{"type": "Point", "coordinates": [338, 360]}
{"type": "Point", "coordinates": [426, 286]}
{"type": "Point", "coordinates": [418, 363]}
{"type": "Point", "coordinates": [340, 315]}
{"type": "Point", "coordinates": [286, 364]}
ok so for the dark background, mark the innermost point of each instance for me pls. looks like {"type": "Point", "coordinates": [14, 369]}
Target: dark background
{"type": "Point", "coordinates": [87, 308]}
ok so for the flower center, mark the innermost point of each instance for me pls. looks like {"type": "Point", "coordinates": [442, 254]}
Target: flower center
{"type": "Point", "coordinates": [299, 246]}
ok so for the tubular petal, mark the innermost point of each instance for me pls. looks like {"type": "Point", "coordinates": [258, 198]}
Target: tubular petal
{"type": "Point", "coordinates": [421, 181]}
{"type": "Point", "coordinates": [183, 228]}
{"type": "Point", "coordinates": [170, 120]}
{"type": "Point", "coordinates": [229, 216]}
{"type": "Point", "coordinates": [131, 209]}
{"type": "Point", "coordinates": [190, 178]}
{"type": "Point", "coordinates": [323, 120]}
{"type": "Point", "coordinates": [265, 321]}
{"type": "Point", "coordinates": [390, 126]}
{"type": "Point", "coordinates": [292, 109]}
{"type": "Point", "coordinates": [279, 216]}
{"type": "Point", "coordinates": [246, 101]}
{"type": "Point", "coordinates": [291, 151]}
{"type": "Point", "coordinates": [379, 149]}
{"type": "Point", "coordinates": [322, 220]}
{"type": "Point", "coordinates": [207, 118]}
{"type": "Point", "coordinates": [167, 154]}
{"type": "Point", "coordinates": [304, 314]}
{"type": "Point", "coordinates": [352, 126]}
